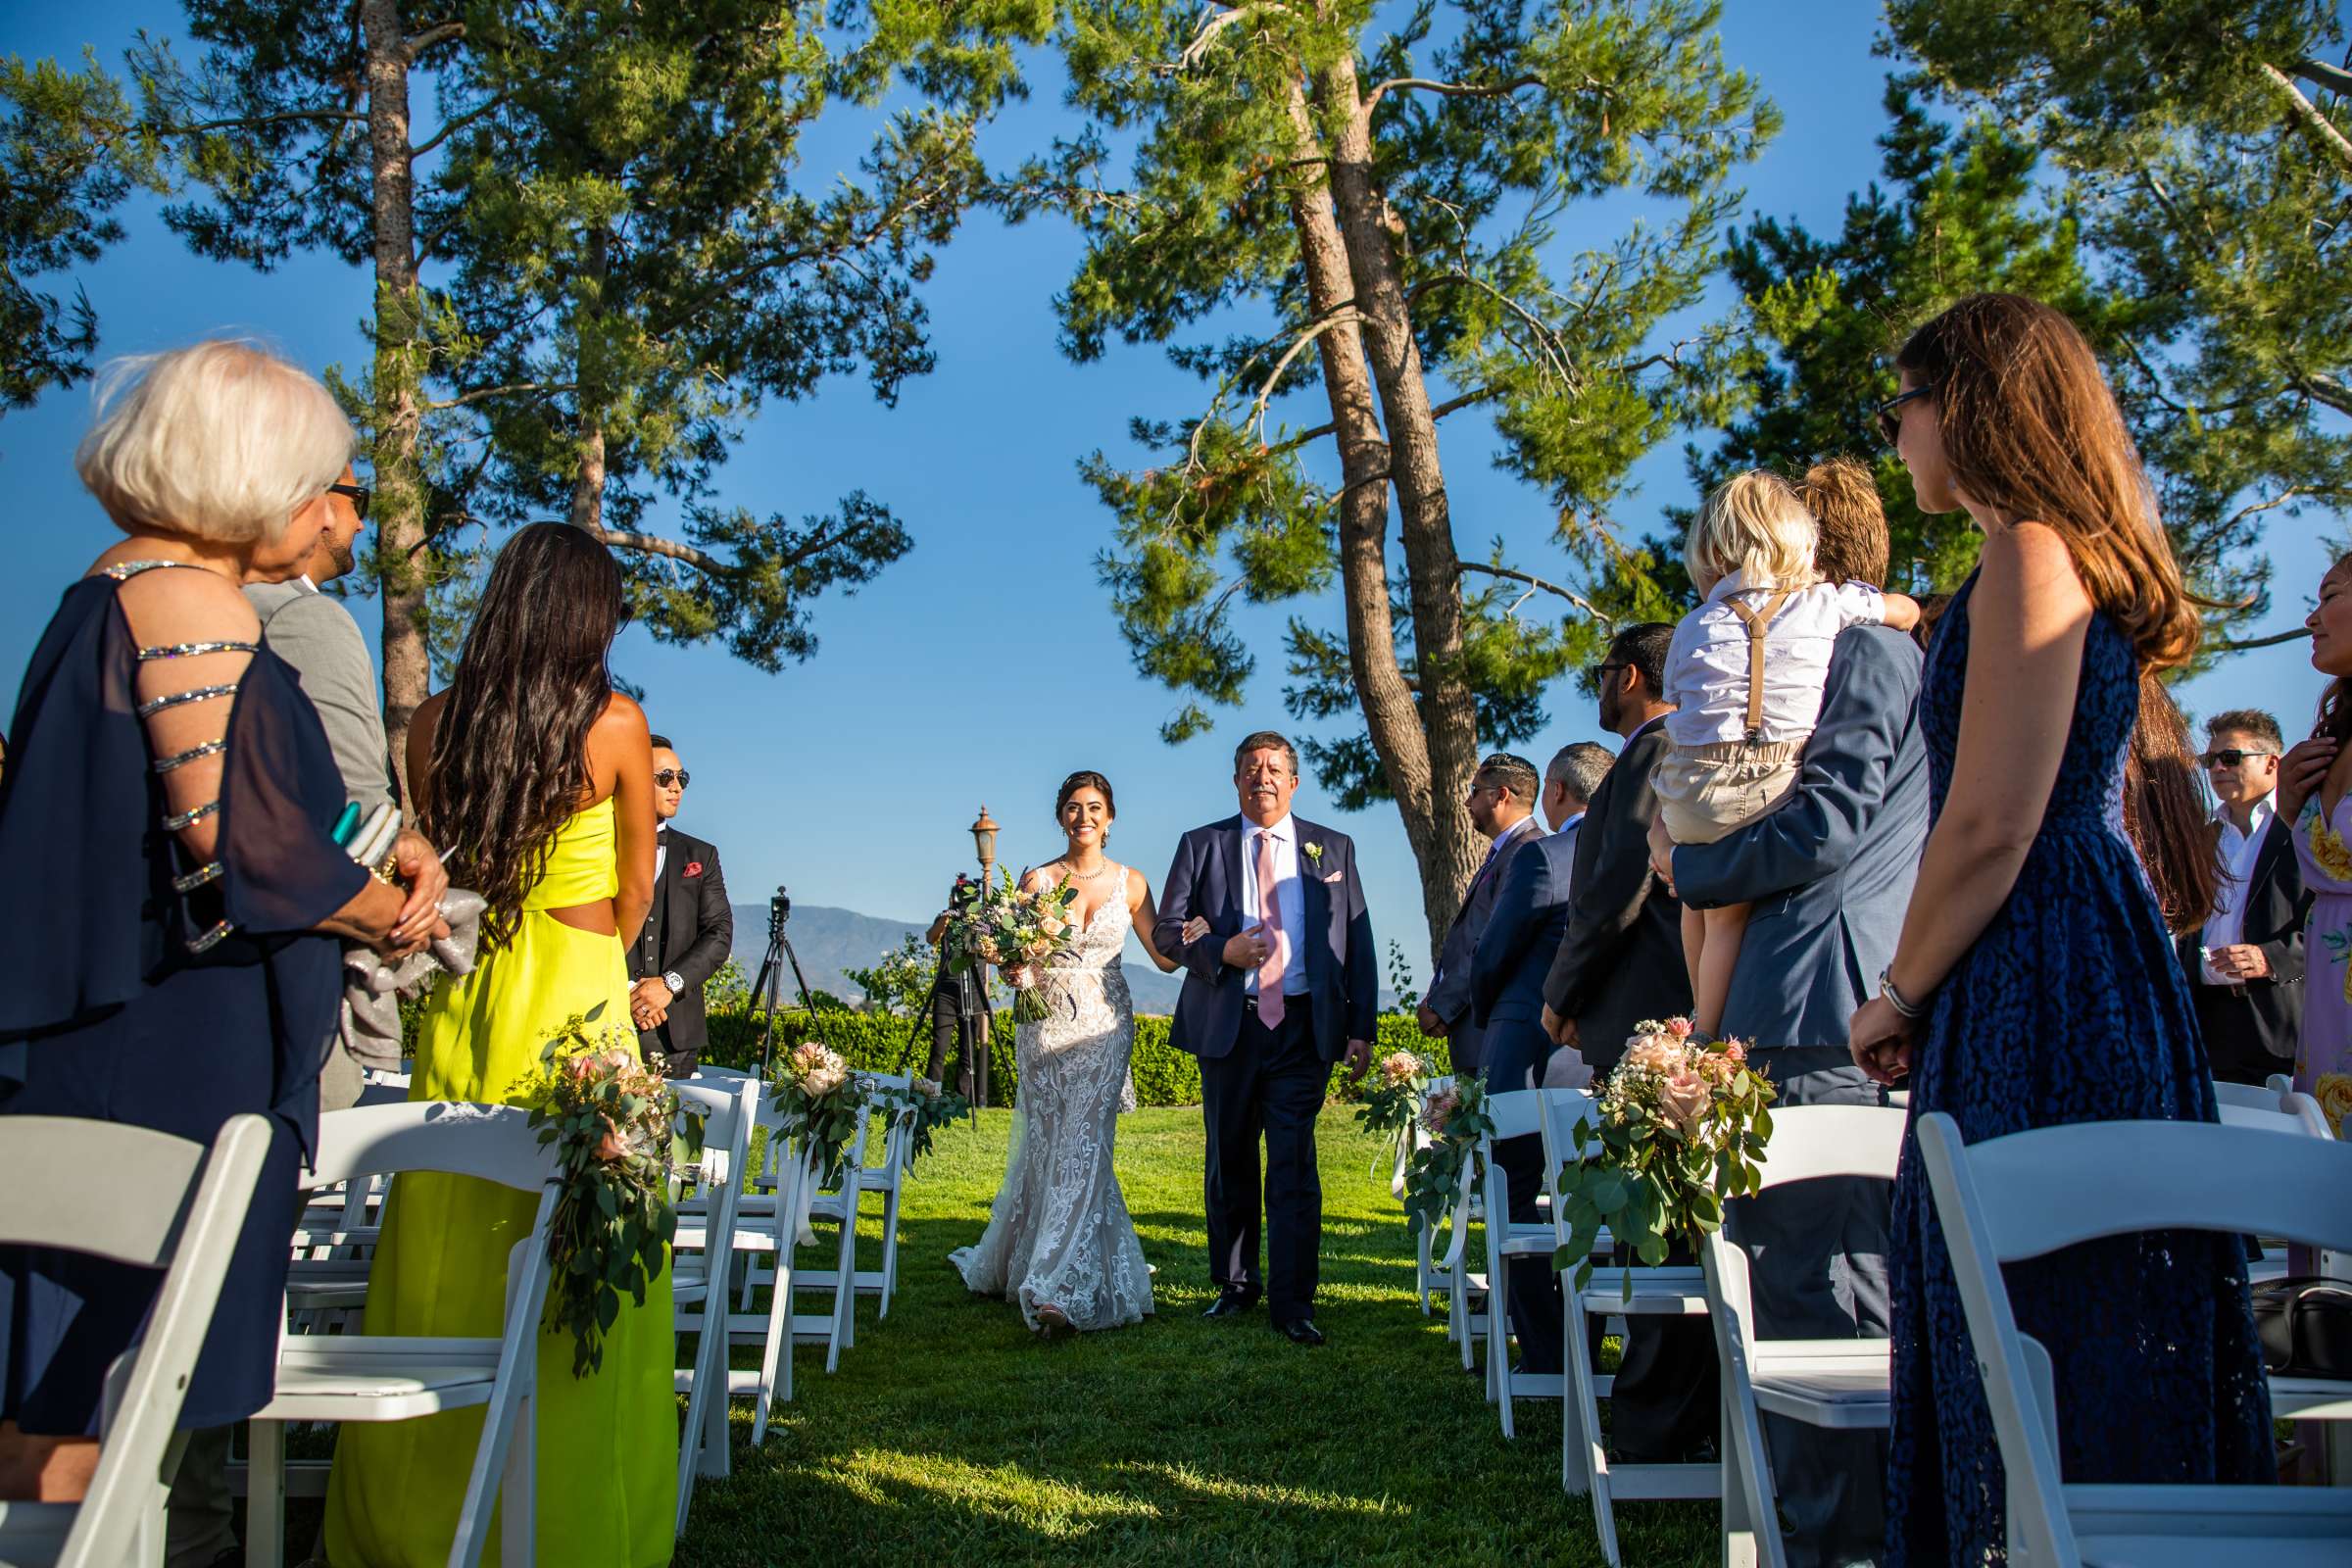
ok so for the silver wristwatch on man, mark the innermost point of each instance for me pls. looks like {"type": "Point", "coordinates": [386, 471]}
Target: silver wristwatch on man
{"type": "Point", "coordinates": [675, 981]}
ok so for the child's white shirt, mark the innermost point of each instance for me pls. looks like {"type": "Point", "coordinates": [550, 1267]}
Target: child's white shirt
{"type": "Point", "coordinates": [1706, 664]}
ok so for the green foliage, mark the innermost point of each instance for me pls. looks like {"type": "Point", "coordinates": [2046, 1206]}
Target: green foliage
{"type": "Point", "coordinates": [900, 983]}
{"type": "Point", "coordinates": [1456, 1119]}
{"type": "Point", "coordinates": [1400, 980]}
{"type": "Point", "coordinates": [1961, 208]}
{"type": "Point", "coordinates": [2203, 157]}
{"type": "Point", "coordinates": [71, 151]}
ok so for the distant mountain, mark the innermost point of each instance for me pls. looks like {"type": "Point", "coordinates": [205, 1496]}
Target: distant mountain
{"type": "Point", "coordinates": [831, 940]}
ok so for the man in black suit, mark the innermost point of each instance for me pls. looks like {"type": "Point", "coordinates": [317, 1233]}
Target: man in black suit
{"type": "Point", "coordinates": [1502, 807]}
{"type": "Point", "coordinates": [1619, 962]}
{"type": "Point", "coordinates": [2245, 967]}
{"type": "Point", "coordinates": [1282, 985]}
{"type": "Point", "coordinates": [1506, 993]}
{"type": "Point", "coordinates": [688, 932]}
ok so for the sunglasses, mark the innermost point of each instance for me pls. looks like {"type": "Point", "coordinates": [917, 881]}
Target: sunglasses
{"type": "Point", "coordinates": [666, 776]}
{"type": "Point", "coordinates": [2231, 757]}
{"type": "Point", "coordinates": [1891, 413]}
{"type": "Point", "coordinates": [1598, 674]}
{"type": "Point", "coordinates": [360, 496]}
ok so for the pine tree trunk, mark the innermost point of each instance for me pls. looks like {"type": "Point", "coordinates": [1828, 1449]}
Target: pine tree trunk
{"type": "Point", "coordinates": [1445, 718]}
{"type": "Point", "coordinates": [588, 479]}
{"type": "Point", "coordinates": [588, 482]}
{"type": "Point", "coordinates": [399, 375]}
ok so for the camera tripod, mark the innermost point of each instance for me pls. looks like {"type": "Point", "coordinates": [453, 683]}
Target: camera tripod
{"type": "Point", "coordinates": [770, 982]}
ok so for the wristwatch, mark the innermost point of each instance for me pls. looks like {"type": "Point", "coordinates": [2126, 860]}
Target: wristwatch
{"type": "Point", "coordinates": [675, 981]}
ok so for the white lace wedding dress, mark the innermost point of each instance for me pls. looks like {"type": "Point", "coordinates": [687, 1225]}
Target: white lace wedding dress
{"type": "Point", "coordinates": [1060, 1233]}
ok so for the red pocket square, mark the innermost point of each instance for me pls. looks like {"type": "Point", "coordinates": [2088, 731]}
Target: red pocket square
{"type": "Point", "coordinates": [694, 868]}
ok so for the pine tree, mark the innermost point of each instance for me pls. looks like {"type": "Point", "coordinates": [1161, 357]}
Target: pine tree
{"type": "Point", "coordinates": [1393, 204]}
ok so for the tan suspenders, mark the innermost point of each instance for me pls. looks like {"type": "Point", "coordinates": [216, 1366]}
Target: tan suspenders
{"type": "Point", "coordinates": [1756, 620]}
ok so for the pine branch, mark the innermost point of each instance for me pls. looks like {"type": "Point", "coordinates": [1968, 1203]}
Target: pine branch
{"type": "Point", "coordinates": [1214, 24]}
{"type": "Point", "coordinates": [482, 393]}
{"type": "Point", "coordinates": [453, 126]}
{"type": "Point", "coordinates": [2249, 644]}
{"type": "Point", "coordinates": [2308, 111]}
{"type": "Point", "coordinates": [1450, 89]}
{"type": "Point", "coordinates": [652, 544]}
{"type": "Point", "coordinates": [1607, 622]}
{"type": "Point", "coordinates": [1344, 316]}
{"type": "Point", "coordinates": [418, 43]}
{"type": "Point", "coordinates": [2325, 389]}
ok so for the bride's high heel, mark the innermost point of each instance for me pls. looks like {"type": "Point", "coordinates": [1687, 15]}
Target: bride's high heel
{"type": "Point", "coordinates": [1050, 1317]}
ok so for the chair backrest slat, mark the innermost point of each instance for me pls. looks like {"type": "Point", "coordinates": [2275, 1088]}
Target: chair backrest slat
{"type": "Point", "coordinates": [1809, 1142]}
{"type": "Point", "coordinates": [86, 1187]}
{"type": "Point", "coordinates": [2123, 1177]}
{"type": "Point", "coordinates": [492, 1143]}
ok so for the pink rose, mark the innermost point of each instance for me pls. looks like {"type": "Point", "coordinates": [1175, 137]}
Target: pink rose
{"type": "Point", "coordinates": [1398, 1066]}
{"type": "Point", "coordinates": [1684, 1099]}
{"type": "Point", "coordinates": [1052, 926]}
{"type": "Point", "coordinates": [1653, 1054]}
{"type": "Point", "coordinates": [1439, 1111]}
{"type": "Point", "coordinates": [1736, 1051]}
{"type": "Point", "coordinates": [617, 1058]}
{"type": "Point", "coordinates": [616, 1144]}
{"type": "Point", "coordinates": [822, 1081]}
{"type": "Point", "coordinates": [1680, 1028]}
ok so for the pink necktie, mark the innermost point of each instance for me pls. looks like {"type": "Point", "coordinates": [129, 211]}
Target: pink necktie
{"type": "Point", "coordinates": [1269, 916]}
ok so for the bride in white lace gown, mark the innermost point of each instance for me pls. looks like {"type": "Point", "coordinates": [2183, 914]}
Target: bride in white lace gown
{"type": "Point", "coordinates": [1059, 1242]}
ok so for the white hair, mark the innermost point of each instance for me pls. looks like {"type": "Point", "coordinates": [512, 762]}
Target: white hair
{"type": "Point", "coordinates": [222, 440]}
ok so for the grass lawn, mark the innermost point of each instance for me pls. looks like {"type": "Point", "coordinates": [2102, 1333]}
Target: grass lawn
{"type": "Point", "coordinates": [950, 1435]}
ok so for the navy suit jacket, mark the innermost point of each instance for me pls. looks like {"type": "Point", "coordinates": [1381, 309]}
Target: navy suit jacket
{"type": "Point", "coordinates": [1829, 872]}
{"type": "Point", "coordinates": [1342, 976]}
{"type": "Point", "coordinates": [1514, 954]}
{"type": "Point", "coordinates": [1450, 996]}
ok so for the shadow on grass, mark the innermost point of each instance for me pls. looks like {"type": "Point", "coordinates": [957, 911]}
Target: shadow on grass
{"type": "Point", "coordinates": [952, 1434]}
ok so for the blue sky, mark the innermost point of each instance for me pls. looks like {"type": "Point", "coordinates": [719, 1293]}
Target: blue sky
{"type": "Point", "coordinates": [986, 665]}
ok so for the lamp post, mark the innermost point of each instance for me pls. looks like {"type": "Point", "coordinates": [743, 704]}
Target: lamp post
{"type": "Point", "coordinates": [984, 839]}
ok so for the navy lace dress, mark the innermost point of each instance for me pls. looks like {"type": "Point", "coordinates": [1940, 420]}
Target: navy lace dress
{"type": "Point", "coordinates": [2070, 1007]}
{"type": "Point", "coordinates": [106, 1013]}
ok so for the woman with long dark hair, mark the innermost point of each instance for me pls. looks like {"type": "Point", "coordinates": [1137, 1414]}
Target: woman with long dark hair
{"type": "Point", "coordinates": [2035, 982]}
{"type": "Point", "coordinates": [2313, 780]}
{"type": "Point", "coordinates": [537, 777]}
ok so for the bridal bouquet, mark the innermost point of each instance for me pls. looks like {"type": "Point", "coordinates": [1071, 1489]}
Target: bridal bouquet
{"type": "Point", "coordinates": [1683, 1122]}
{"type": "Point", "coordinates": [820, 1100]}
{"type": "Point", "coordinates": [1456, 1119]}
{"type": "Point", "coordinates": [1015, 930]}
{"type": "Point", "coordinates": [611, 1120]}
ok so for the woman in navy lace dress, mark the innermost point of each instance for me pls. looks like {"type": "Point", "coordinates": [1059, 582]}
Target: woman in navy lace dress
{"type": "Point", "coordinates": [2034, 983]}
{"type": "Point", "coordinates": [167, 812]}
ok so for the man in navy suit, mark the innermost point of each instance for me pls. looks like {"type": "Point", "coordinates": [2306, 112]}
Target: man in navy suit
{"type": "Point", "coordinates": [1830, 874]}
{"type": "Point", "coordinates": [1514, 952]}
{"type": "Point", "coordinates": [1281, 986]}
{"type": "Point", "coordinates": [1502, 807]}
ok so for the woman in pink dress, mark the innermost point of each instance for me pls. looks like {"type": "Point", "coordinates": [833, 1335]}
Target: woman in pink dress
{"type": "Point", "coordinates": [2313, 781]}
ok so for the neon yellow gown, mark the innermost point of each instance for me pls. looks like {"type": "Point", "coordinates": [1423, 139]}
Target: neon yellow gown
{"type": "Point", "coordinates": [608, 1456]}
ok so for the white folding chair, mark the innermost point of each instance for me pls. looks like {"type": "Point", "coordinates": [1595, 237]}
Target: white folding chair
{"type": "Point", "coordinates": [377, 1377]}
{"type": "Point", "coordinates": [768, 1227]}
{"type": "Point", "coordinates": [1515, 1113]}
{"type": "Point", "coordinates": [2123, 1177]}
{"type": "Point", "coordinates": [700, 1256]}
{"type": "Point", "coordinates": [2282, 1082]}
{"type": "Point", "coordinates": [1429, 1274]}
{"type": "Point", "coordinates": [889, 1179]}
{"type": "Point", "coordinates": [1837, 1384]}
{"type": "Point", "coordinates": [146, 1198]}
{"type": "Point", "coordinates": [1668, 1291]}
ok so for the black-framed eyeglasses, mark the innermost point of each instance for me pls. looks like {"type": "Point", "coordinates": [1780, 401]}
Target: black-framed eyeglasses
{"type": "Point", "coordinates": [360, 496]}
{"type": "Point", "coordinates": [666, 776]}
{"type": "Point", "coordinates": [2231, 757]}
{"type": "Point", "coordinates": [1891, 413]}
{"type": "Point", "coordinates": [1599, 673]}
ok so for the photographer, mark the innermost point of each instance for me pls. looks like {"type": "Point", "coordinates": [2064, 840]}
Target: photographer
{"type": "Point", "coordinates": [956, 995]}
{"type": "Point", "coordinates": [688, 933]}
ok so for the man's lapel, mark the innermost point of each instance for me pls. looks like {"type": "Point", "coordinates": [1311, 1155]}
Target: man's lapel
{"type": "Point", "coordinates": [1314, 893]}
{"type": "Point", "coordinates": [1229, 852]}
{"type": "Point", "coordinates": [665, 887]}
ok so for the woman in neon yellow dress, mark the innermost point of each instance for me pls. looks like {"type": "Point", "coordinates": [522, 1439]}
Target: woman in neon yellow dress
{"type": "Point", "coordinates": [538, 776]}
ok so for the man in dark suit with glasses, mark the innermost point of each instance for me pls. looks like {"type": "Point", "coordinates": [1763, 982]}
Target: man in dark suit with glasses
{"type": "Point", "coordinates": [688, 932]}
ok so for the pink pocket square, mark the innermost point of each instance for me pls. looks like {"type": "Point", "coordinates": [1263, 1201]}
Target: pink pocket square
{"type": "Point", "coordinates": [1333, 876]}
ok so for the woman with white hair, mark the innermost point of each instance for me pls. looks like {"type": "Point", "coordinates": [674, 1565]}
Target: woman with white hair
{"type": "Point", "coordinates": [167, 811]}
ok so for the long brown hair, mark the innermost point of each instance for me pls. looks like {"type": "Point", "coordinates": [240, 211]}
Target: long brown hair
{"type": "Point", "coordinates": [2164, 811]}
{"type": "Point", "coordinates": [2032, 429]}
{"type": "Point", "coordinates": [2335, 703]}
{"type": "Point", "coordinates": [511, 752]}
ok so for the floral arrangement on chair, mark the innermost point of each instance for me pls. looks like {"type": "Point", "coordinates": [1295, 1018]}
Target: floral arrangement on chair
{"type": "Point", "coordinates": [1391, 1098]}
{"type": "Point", "coordinates": [612, 1121]}
{"type": "Point", "coordinates": [1015, 930]}
{"type": "Point", "coordinates": [1683, 1122]}
{"type": "Point", "coordinates": [1456, 1119]}
{"type": "Point", "coordinates": [927, 1107]}
{"type": "Point", "coordinates": [820, 1100]}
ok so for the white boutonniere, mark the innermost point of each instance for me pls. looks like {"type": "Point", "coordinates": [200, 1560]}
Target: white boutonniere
{"type": "Point", "coordinates": [1313, 854]}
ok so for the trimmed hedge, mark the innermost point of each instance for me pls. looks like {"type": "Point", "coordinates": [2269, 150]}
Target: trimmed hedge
{"type": "Point", "coordinates": [874, 1043]}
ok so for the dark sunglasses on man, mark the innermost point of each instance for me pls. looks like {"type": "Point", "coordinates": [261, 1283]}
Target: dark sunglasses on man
{"type": "Point", "coordinates": [1891, 413]}
{"type": "Point", "coordinates": [2231, 757]}
{"type": "Point", "coordinates": [360, 496]}
{"type": "Point", "coordinates": [665, 777]}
